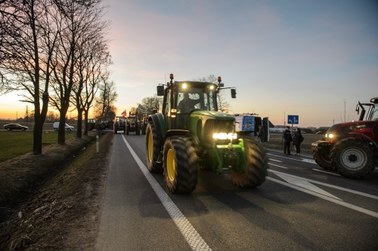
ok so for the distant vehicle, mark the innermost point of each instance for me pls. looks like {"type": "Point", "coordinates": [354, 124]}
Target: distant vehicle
{"type": "Point", "coordinates": [119, 124]}
{"type": "Point", "coordinates": [68, 127]}
{"type": "Point", "coordinates": [132, 122]}
{"type": "Point", "coordinates": [15, 126]}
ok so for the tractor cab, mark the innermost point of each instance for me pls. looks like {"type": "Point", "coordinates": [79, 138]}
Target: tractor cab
{"type": "Point", "coordinates": [369, 111]}
{"type": "Point", "coordinates": [182, 98]}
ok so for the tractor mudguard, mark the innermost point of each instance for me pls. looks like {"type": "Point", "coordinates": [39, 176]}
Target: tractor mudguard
{"type": "Point", "coordinates": [174, 132]}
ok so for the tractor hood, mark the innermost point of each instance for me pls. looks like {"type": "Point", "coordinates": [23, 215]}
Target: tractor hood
{"type": "Point", "coordinates": [205, 115]}
{"type": "Point", "coordinates": [203, 124]}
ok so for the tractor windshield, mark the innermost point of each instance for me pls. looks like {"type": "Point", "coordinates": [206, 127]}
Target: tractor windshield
{"type": "Point", "coordinates": [373, 114]}
{"type": "Point", "coordinates": [196, 98]}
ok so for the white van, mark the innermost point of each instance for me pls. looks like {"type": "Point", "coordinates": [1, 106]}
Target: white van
{"type": "Point", "coordinates": [68, 127]}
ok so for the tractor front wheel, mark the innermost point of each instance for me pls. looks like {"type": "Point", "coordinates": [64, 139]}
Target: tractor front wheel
{"type": "Point", "coordinates": [256, 168]}
{"type": "Point", "coordinates": [352, 158]}
{"type": "Point", "coordinates": [322, 161]}
{"type": "Point", "coordinates": [180, 165]}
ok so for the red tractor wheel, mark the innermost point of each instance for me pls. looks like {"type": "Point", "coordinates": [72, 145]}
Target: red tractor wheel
{"type": "Point", "coordinates": [352, 158]}
{"type": "Point", "coordinates": [323, 161]}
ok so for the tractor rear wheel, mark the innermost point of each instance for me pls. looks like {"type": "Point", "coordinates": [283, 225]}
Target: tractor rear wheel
{"type": "Point", "coordinates": [180, 165]}
{"type": "Point", "coordinates": [153, 149]}
{"type": "Point", "coordinates": [257, 165]}
{"type": "Point", "coordinates": [352, 158]}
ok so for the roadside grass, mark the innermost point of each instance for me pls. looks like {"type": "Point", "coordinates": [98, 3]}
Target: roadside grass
{"type": "Point", "coordinates": [13, 144]}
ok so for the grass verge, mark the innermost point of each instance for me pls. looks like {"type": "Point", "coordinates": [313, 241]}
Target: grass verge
{"type": "Point", "coordinates": [16, 143]}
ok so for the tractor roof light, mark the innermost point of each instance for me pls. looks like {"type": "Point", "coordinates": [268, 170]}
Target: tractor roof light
{"type": "Point", "coordinates": [184, 86]}
{"type": "Point", "coordinates": [211, 87]}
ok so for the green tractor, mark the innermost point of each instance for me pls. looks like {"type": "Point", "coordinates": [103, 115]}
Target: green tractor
{"type": "Point", "coordinates": [191, 133]}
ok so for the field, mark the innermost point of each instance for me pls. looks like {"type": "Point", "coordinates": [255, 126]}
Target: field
{"type": "Point", "coordinates": [15, 143]}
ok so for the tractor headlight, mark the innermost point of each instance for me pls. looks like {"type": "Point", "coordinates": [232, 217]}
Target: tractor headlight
{"type": "Point", "coordinates": [224, 136]}
{"type": "Point", "coordinates": [330, 135]}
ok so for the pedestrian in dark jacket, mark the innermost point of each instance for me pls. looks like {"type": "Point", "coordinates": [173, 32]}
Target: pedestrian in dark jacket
{"type": "Point", "coordinates": [287, 138]}
{"type": "Point", "coordinates": [297, 141]}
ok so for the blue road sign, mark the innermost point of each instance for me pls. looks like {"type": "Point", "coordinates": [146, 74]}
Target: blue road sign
{"type": "Point", "coordinates": [293, 119]}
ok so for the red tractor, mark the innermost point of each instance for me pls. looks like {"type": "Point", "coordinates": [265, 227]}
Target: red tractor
{"type": "Point", "coordinates": [351, 148]}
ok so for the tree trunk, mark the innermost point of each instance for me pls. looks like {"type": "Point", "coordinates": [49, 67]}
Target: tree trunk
{"type": "Point", "coordinates": [37, 135]}
{"type": "Point", "coordinates": [86, 122]}
{"type": "Point", "coordinates": [62, 125]}
{"type": "Point", "coordinates": [79, 123]}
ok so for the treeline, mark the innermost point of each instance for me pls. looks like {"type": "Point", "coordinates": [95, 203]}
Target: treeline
{"type": "Point", "coordinates": [54, 54]}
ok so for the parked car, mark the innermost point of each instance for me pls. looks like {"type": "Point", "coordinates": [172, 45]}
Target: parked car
{"type": "Point", "coordinates": [15, 126]}
{"type": "Point", "coordinates": [68, 127]}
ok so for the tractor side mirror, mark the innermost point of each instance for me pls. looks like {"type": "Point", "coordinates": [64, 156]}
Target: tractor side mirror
{"type": "Point", "coordinates": [160, 90]}
{"type": "Point", "coordinates": [233, 93]}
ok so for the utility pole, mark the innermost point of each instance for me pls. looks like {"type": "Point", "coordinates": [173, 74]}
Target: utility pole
{"type": "Point", "coordinates": [344, 111]}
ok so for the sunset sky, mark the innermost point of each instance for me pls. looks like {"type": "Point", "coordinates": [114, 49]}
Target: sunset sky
{"type": "Point", "coordinates": [310, 58]}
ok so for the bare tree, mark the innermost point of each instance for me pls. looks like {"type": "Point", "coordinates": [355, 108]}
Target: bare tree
{"type": "Point", "coordinates": [28, 39]}
{"type": "Point", "coordinates": [223, 104]}
{"type": "Point", "coordinates": [93, 60]}
{"type": "Point", "coordinates": [104, 107]}
{"type": "Point", "coordinates": [149, 104]}
{"type": "Point", "coordinates": [77, 17]}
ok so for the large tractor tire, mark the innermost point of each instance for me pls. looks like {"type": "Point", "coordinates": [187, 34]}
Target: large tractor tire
{"type": "Point", "coordinates": [153, 146]}
{"type": "Point", "coordinates": [257, 165]}
{"type": "Point", "coordinates": [137, 129]}
{"type": "Point", "coordinates": [323, 161]}
{"type": "Point", "coordinates": [352, 158]}
{"type": "Point", "coordinates": [180, 165]}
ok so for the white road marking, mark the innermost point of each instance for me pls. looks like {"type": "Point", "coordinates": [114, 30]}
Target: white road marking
{"type": "Point", "coordinates": [311, 161]}
{"type": "Point", "coordinates": [331, 186]}
{"type": "Point", "coordinates": [275, 160]}
{"type": "Point", "coordinates": [297, 181]}
{"type": "Point", "coordinates": [283, 167]}
{"type": "Point", "coordinates": [339, 202]}
{"type": "Point", "coordinates": [325, 197]}
{"type": "Point", "coordinates": [297, 158]}
{"type": "Point", "coordinates": [327, 172]}
{"type": "Point", "coordinates": [195, 241]}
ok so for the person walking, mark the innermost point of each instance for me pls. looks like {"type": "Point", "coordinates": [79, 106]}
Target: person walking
{"type": "Point", "coordinates": [297, 141]}
{"type": "Point", "coordinates": [287, 138]}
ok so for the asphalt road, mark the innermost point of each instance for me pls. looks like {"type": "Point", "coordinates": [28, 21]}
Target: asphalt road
{"type": "Point", "coordinates": [299, 207]}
